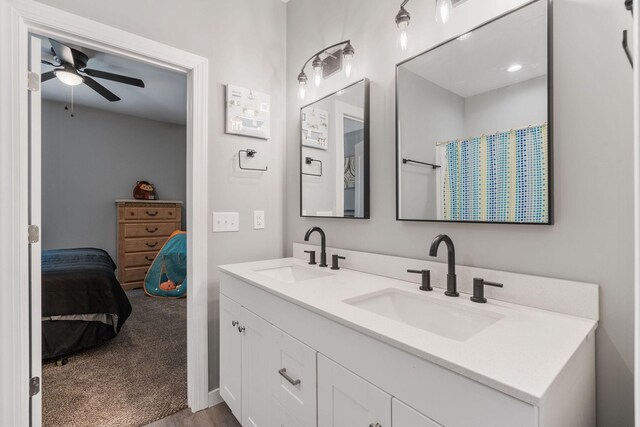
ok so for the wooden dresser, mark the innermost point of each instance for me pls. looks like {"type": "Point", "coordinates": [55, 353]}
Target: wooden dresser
{"type": "Point", "coordinates": [143, 227]}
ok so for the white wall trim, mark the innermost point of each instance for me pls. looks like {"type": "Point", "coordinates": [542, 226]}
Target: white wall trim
{"type": "Point", "coordinates": [558, 295]}
{"type": "Point", "coordinates": [31, 17]}
{"type": "Point", "coordinates": [215, 398]}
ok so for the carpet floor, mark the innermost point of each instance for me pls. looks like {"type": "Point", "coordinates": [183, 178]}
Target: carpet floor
{"type": "Point", "coordinates": [138, 377]}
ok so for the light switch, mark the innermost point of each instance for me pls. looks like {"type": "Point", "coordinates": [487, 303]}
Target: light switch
{"type": "Point", "coordinates": [226, 221]}
{"type": "Point", "coordinates": [258, 220]}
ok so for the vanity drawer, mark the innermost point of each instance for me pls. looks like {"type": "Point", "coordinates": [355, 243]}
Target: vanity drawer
{"type": "Point", "coordinates": [294, 362]}
{"type": "Point", "coordinates": [149, 229]}
{"type": "Point", "coordinates": [144, 244]}
{"type": "Point", "coordinates": [135, 274]}
{"type": "Point", "coordinates": [140, 259]}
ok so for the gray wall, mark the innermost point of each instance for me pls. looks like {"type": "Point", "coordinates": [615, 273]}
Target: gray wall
{"type": "Point", "coordinates": [96, 157]}
{"type": "Point", "coordinates": [245, 43]}
{"type": "Point", "coordinates": [592, 239]}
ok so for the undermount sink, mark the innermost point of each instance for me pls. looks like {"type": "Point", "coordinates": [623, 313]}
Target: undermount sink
{"type": "Point", "coordinates": [292, 273]}
{"type": "Point", "coordinates": [446, 319]}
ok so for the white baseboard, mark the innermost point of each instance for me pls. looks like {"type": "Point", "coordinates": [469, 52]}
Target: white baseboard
{"type": "Point", "coordinates": [215, 398]}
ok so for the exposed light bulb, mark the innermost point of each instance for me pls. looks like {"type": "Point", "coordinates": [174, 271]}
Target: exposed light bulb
{"type": "Point", "coordinates": [301, 90]}
{"type": "Point", "coordinates": [443, 11]}
{"type": "Point", "coordinates": [347, 65]}
{"type": "Point", "coordinates": [317, 77]}
{"type": "Point", "coordinates": [69, 78]}
{"type": "Point", "coordinates": [404, 40]}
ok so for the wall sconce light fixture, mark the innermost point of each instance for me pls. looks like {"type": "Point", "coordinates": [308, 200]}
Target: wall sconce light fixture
{"type": "Point", "coordinates": [326, 63]}
{"type": "Point", "coordinates": [402, 21]}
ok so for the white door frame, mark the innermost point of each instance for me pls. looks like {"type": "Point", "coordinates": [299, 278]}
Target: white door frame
{"type": "Point", "coordinates": [31, 17]}
{"type": "Point", "coordinates": [353, 112]}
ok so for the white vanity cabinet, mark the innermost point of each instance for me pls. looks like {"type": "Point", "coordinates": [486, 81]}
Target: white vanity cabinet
{"type": "Point", "coordinates": [285, 363]}
{"type": "Point", "coordinates": [346, 400]}
{"type": "Point", "coordinates": [266, 377]}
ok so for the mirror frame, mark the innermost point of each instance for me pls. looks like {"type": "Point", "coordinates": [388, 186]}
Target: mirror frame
{"type": "Point", "coordinates": [549, 117]}
{"type": "Point", "coordinates": [367, 160]}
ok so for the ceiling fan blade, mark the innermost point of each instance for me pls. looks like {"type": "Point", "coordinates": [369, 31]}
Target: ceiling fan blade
{"type": "Point", "coordinates": [100, 89]}
{"type": "Point", "coordinates": [63, 52]}
{"type": "Point", "coordinates": [47, 76]}
{"type": "Point", "coordinates": [115, 77]}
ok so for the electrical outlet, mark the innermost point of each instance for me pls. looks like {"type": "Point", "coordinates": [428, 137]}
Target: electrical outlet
{"type": "Point", "coordinates": [258, 220]}
{"type": "Point", "coordinates": [226, 221]}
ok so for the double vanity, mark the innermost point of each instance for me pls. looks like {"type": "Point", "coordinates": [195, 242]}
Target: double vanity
{"type": "Point", "coordinates": [363, 345]}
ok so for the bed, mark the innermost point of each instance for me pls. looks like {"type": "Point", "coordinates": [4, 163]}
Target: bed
{"type": "Point", "coordinates": [83, 304]}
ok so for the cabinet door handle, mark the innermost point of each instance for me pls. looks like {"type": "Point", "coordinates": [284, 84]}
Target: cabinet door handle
{"type": "Point", "coordinates": [154, 213]}
{"type": "Point", "coordinates": [241, 329]}
{"type": "Point", "coordinates": [283, 373]}
{"type": "Point", "coordinates": [234, 323]}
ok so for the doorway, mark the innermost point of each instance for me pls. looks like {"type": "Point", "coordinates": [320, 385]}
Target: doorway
{"type": "Point", "coordinates": [33, 18]}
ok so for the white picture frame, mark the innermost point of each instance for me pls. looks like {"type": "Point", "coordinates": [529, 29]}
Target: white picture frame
{"type": "Point", "coordinates": [248, 112]}
{"type": "Point", "coordinates": [315, 129]}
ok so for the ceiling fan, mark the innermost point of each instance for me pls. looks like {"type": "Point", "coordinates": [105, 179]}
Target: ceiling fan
{"type": "Point", "coordinates": [73, 71]}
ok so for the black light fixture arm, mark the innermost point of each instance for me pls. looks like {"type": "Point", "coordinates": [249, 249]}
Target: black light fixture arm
{"type": "Point", "coordinates": [324, 51]}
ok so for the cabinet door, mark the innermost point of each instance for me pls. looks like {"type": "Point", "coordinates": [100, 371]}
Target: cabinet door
{"type": "Point", "coordinates": [231, 355]}
{"type": "Point", "coordinates": [294, 374]}
{"type": "Point", "coordinates": [257, 349]}
{"type": "Point", "coordinates": [346, 400]}
{"type": "Point", "coordinates": [405, 416]}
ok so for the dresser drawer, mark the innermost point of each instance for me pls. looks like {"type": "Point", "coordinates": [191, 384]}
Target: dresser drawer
{"type": "Point", "coordinates": [135, 274]}
{"type": "Point", "coordinates": [144, 244]}
{"type": "Point", "coordinates": [149, 229]}
{"type": "Point", "coordinates": [139, 259]}
{"type": "Point", "coordinates": [151, 212]}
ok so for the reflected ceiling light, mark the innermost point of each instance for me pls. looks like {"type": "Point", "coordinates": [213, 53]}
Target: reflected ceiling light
{"type": "Point", "coordinates": [324, 59]}
{"type": "Point", "coordinates": [402, 21]}
{"type": "Point", "coordinates": [513, 68]}
{"type": "Point", "coordinates": [69, 76]}
{"type": "Point", "coordinates": [443, 11]}
{"type": "Point", "coordinates": [465, 36]}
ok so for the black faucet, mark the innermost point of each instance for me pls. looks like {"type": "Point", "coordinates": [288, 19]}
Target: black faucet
{"type": "Point", "coordinates": [452, 288]}
{"type": "Point", "coordinates": [323, 244]}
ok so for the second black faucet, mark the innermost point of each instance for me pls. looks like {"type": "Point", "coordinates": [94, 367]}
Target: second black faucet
{"type": "Point", "coordinates": [323, 244]}
{"type": "Point", "coordinates": [452, 286]}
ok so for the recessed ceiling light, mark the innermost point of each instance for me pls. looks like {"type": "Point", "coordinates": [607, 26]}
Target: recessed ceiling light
{"type": "Point", "coordinates": [513, 68]}
{"type": "Point", "coordinates": [465, 36]}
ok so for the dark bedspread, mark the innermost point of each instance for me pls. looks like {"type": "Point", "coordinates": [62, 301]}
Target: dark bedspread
{"type": "Point", "coordinates": [79, 282]}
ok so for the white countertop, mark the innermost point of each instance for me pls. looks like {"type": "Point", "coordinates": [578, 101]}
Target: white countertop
{"type": "Point", "coordinates": [520, 355]}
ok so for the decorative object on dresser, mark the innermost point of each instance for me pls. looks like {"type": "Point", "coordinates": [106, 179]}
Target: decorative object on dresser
{"type": "Point", "coordinates": [143, 227]}
{"type": "Point", "coordinates": [144, 190]}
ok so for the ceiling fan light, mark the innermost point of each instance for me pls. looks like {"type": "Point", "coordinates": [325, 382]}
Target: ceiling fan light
{"type": "Point", "coordinates": [69, 77]}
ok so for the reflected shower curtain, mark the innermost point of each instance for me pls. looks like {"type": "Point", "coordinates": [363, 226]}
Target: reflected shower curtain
{"type": "Point", "coordinates": [496, 178]}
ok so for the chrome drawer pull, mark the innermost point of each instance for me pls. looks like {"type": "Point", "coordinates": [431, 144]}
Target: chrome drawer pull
{"type": "Point", "coordinates": [284, 374]}
{"type": "Point", "coordinates": [152, 245]}
{"type": "Point", "coordinates": [151, 214]}
{"type": "Point", "coordinates": [151, 231]}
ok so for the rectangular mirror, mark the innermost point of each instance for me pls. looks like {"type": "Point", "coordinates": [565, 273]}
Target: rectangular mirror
{"type": "Point", "coordinates": [334, 154]}
{"type": "Point", "coordinates": [473, 138]}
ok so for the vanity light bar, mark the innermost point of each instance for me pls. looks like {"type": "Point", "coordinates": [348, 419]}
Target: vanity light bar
{"type": "Point", "coordinates": [318, 62]}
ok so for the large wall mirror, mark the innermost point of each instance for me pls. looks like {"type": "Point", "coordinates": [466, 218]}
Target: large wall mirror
{"type": "Point", "coordinates": [334, 154]}
{"type": "Point", "coordinates": [473, 135]}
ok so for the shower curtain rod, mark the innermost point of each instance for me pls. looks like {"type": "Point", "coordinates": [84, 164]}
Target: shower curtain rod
{"type": "Point", "coordinates": [484, 134]}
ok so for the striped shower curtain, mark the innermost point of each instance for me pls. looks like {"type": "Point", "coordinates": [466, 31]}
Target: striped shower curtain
{"type": "Point", "coordinates": [496, 178]}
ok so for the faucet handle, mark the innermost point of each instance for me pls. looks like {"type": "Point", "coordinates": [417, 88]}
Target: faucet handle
{"type": "Point", "coordinates": [335, 261]}
{"type": "Point", "coordinates": [312, 257]}
{"type": "Point", "coordinates": [478, 289]}
{"type": "Point", "coordinates": [426, 279]}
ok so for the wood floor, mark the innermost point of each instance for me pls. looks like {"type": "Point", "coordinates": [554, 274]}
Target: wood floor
{"type": "Point", "coordinates": [216, 416]}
